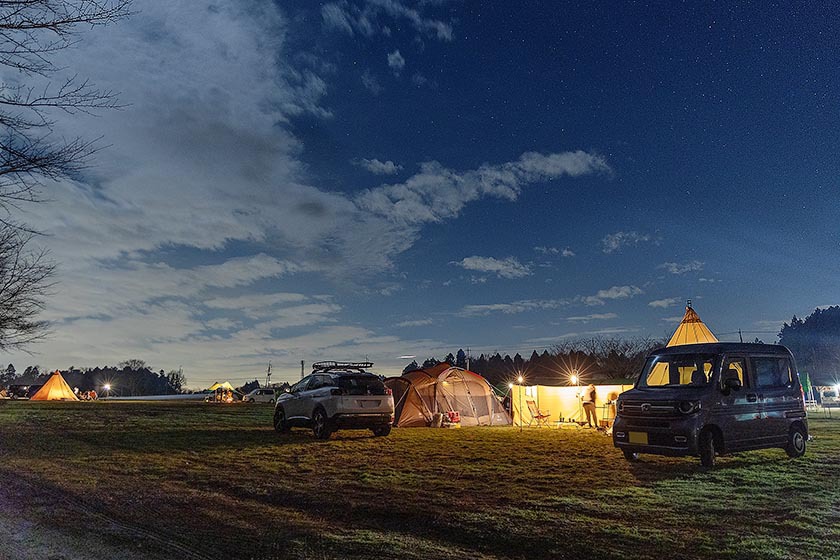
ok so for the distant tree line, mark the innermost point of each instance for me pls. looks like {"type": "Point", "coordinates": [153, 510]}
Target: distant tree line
{"type": "Point", "coordinates": [593, 360]}
{"type": "Point", "coordinates": [815, 343]}
{"type": "Point", "coordinates": [132, 378]}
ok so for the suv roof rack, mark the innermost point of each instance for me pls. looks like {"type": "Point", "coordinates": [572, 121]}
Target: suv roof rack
{"type": "Point", "coordinates": [332, 365]}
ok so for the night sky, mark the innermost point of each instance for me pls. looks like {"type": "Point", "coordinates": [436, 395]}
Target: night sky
{"type": "Point", "coordinates": [376, 178]}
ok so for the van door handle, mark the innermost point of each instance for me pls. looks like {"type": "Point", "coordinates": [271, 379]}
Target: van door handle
{"type": "Point", "coordinates": [752, 397]}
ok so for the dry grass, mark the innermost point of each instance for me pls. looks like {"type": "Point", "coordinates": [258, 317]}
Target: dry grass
{"type": "Point", "coordinates": [207, 481]}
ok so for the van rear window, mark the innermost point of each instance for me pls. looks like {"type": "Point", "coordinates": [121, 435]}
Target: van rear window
{"type": "Point", "coordinates": [361, 385]}
{"type": "Point", "coordinates": [694, 370]}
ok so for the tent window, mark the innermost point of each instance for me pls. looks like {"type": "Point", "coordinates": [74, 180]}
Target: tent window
{"type": "Point", "coordinates": [531, 391]}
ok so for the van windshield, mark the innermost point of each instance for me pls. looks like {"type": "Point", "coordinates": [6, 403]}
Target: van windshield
{"type": "Point", "coordinates": [677, 370]}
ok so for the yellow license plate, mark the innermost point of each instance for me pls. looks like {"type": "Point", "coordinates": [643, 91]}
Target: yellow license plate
{"type": "Point", "coordinates": [638, 437]}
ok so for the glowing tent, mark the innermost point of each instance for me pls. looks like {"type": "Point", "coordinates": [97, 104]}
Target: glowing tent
{"type": "Point", "coordinates": [55, 389]}
{"type": "Point", "coordinates": [225, 386]}
{"type": "Point", "coordinates": [691, 330]}
{"type": "Point", "coordinates": [422, 393]}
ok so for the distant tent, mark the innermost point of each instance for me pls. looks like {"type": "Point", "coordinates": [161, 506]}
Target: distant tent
{"type": "Point", "coordinates": [225, 385]}
{"type": "Point", "coordinates": [55, 389]}
{"type": "Point", "coordinates": [691, 330]}
{"type": "Point", "coordinates": [422, 393]}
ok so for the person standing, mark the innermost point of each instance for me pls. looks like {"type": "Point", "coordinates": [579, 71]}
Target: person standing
{"type": "Point", "coordinates": [588, 398]}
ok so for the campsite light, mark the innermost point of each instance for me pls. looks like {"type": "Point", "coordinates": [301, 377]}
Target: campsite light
{"type": "Point", "coordinates": [574, 379]}
{"type": "Point", "coordinates": [520, 379]}
{"type": "Point", "coordinates": [510, 385]}
{"type": "Point", "coordinates": [107, 386]}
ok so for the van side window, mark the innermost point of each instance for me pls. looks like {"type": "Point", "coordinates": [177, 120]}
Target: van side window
{"type": "Point", "coordinates": [739, 366]}
{"type": "Point", "coordinates": [772, 372]}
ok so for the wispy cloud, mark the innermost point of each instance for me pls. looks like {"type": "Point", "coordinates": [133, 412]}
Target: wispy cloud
{"type": "Point", "coordinates": [371, 83]}
{"type": "Point", "coordinates": [504, 268]}
{"type": "Point", "coordinates": [377, 167]}
{"type": "Point", "coordinates": [415, 323]}
{"type": "Point", "coordinates": [396, 62]}
{"type": "Point", "coordinates": [616, 292]}
{"type": "Point", "coordinates": [364, 19]}
{"type": "Point", "coordinates": [437, 193]}
{"type": "Point", "coordinates": [565, 252]}
{"type": "Point", "coordinates": [682, 268]}
{"type": "Point", "coordinates": [621, 239]}
{"type": "Point", "coordinates": [665, 303]}
{"type": "Point", "coordinates": [510, 308]}
{"type": "Point", "coordinates": [592, 317]}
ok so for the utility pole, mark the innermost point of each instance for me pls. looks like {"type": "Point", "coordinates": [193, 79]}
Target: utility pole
{"type": "Point", "coordinates": [268, 375]}
{"type": "Point", "coordinates": [468, 358]}
{"type": "Point", "coordinates": [301, 369]}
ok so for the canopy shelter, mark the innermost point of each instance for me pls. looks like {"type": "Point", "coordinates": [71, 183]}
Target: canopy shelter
{"type": "Point", "coordinates": [55, 389]}
{"type": "Point", "coordinates": [422, 393]}
{"type": "Point", "coordinates": [691, 330]}
{"type": "Point", "coordinates": [560, 403]}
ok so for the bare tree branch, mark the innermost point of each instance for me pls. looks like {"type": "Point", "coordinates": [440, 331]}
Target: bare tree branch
{"type": "Point", "coordinates": [31, 33]}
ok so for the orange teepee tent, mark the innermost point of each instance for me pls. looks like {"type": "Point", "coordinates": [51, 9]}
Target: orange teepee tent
{"type": "Point", "coordinates": [691, 330]}
{"type": "Point", "coordinates": [55, 389]}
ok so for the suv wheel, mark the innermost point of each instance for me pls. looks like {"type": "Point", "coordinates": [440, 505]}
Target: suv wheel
{"type": "Point", "coordinates": [280, 420]}
{"type": "Point", "coordinates": [631, 456]}
{"type": "Point", "coordinates": [320, 424]}
{"type": "Point", "coordinates": [251, 400]}
{"type": "Point", "coordinates": [707, 448]}
{"type": "Point", "coordinates": [796, 442]}
{"type": "Point", "coordinates": [381, 431]}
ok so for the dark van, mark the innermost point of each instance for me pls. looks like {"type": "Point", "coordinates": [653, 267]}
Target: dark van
{"type": "Point", "coordinates": [708, 399]}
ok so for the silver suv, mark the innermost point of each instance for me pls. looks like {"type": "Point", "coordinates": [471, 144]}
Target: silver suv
{"type": "Point", "coordinates": [336, 395]}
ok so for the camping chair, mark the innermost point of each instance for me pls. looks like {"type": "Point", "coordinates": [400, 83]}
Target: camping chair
{"type": "Point", "coordinates": [539, 416]}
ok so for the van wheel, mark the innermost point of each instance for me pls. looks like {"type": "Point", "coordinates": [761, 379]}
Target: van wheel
{"type": "Point", "coordinates": [320, 424]}
{"type": "Point", "coordinates": [796, 442]}
{"type": "Point", "coordinates": [631, 456]}
{"type": "Point", "coordinates": [707, 448]}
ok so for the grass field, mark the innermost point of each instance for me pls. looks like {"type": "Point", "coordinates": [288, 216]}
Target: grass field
{"type": "Point", "coordinates": [150, 481]}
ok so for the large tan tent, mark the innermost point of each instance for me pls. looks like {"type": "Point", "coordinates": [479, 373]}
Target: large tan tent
{"type": "Point", "coordinates": [422, 393]}
{"type": "Point", "coordinates": [55, 389]}
{"type": "Point", "coordinates": [691, 330]}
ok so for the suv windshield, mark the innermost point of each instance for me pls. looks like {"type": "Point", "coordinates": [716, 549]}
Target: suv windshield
{"type": "Point", "coordinates": [361, 385]}
{"type": "Point", "coordinates": [691, 370]}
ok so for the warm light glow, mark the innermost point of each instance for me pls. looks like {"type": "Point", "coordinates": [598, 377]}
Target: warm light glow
{"type": "Point", "coordinates": [107, 386]}
{"type": "Point", "coordinates": [510, 385]}
{"type": "Point", "coordinates": [574, 379]}
{"type": "Point", "coordinates": [520, 379]}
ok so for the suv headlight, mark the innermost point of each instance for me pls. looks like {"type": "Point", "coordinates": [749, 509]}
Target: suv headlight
{"type": "Point", "coordinates": [688, 407]}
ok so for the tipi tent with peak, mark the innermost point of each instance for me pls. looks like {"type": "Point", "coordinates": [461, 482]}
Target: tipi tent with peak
{"type": "Point", "coordinates": [55, 389]}
{"type": "Point", "coordinates": [691, 330]}
{"type": "Point", "coordinates": [422, 393]}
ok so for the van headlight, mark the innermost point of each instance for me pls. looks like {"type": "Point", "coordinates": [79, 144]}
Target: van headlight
{"type": "Point", "coordinates": [688, 407]}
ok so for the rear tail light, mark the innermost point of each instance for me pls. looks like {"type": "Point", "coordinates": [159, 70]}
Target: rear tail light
{"type": "Point", "coordinates": [388, 391]}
